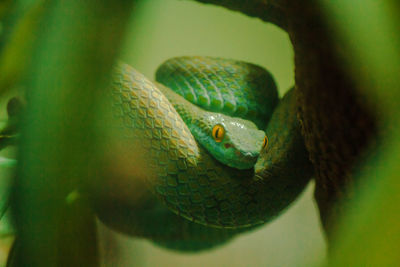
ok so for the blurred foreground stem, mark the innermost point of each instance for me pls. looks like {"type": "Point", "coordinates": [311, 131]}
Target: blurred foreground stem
{"type": "Point", "coordinates": [78, 41]}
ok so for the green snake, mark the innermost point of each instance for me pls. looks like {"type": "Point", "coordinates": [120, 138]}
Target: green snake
{"type": "Point", "coordinates": [201, 130]}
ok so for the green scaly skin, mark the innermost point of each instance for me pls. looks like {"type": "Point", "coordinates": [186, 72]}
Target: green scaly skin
{"type": "Point", "coordinates": [218, 201]}
{"type": "Point", "coordinates": [231, 87]}
{"type": "Point", "coordinates": [242, 141]}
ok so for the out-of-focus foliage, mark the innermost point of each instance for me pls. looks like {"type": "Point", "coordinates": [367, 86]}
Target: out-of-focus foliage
{"type": "Point", "coordinates": [370, 232]}
{"type": "Point", "coordinates": [4, 7]}
{"type": "Point", "coordinates": [16, 50]}
{"type": "Point", "coordinates": [77, 42]}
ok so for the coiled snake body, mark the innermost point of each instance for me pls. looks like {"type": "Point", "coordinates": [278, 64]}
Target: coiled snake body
{"type": "Point", "coordinates": [210, 201]}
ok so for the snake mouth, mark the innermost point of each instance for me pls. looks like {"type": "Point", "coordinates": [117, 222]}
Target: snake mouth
{"type": "Point", "coordinates": [250, 158]}
{"type": "Point", "coordinates": [247, 157]}
{"type": "Point", "coordinates": [235, 158]}
{"type": "Point", "coordinates": [244, 160]}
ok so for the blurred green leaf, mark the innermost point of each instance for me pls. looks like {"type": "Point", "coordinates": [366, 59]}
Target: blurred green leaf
{"type": "Point", "coordinates": [4, 7]}
{"type": "Point", "coordinates": [370, 232]}
{"type": "Point", "coordinates": [16, 53]}
{"type": "Point", "coordinates": [7, 166]}
{"type": "Point", "coordinates": [77, 44]}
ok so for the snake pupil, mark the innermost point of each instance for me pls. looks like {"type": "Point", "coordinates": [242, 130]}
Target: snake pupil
{"type": "Point", "coordinates": [218, 133]}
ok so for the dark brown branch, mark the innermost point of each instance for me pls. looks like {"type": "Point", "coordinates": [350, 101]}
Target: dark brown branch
{"type": "Point", "coordinates": [337, 124]}
{"type": "Point", "coordinates": [267, 10]}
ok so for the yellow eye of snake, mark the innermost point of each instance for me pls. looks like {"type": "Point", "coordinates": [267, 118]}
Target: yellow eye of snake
{"type": "Point", "coordinates": [265, 142]}
{"type": "Point", "coordinates": [218, 133]}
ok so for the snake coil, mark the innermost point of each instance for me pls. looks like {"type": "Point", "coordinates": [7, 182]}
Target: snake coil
{"type": "Point", "coordinates": [210, 202]}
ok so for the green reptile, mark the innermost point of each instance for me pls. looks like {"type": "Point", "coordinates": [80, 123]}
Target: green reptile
{"type": "Point", "coordinates": [208, 158]}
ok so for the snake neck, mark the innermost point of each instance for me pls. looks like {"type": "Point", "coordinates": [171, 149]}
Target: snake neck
{"type": "Point", "coordinates": [194, 117]}
{"type": "Point", "coordinates": [182, 106]}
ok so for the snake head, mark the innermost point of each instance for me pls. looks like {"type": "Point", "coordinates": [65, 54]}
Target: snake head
{"type": "Point", "coordinates": [233, 141]}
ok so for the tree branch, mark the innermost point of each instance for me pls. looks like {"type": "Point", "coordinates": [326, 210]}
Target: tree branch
{"type": "Point", "coordinates": [266, 10]}
{"type": "Point", "coordinates": [337, 124]}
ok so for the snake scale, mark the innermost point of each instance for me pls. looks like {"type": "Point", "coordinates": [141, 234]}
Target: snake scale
{"type": "Point", "coordinates": [197, 201]}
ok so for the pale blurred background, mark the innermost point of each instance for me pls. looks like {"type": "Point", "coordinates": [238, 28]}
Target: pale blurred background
{"type": "Point", "coordinates": [162, 29]}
